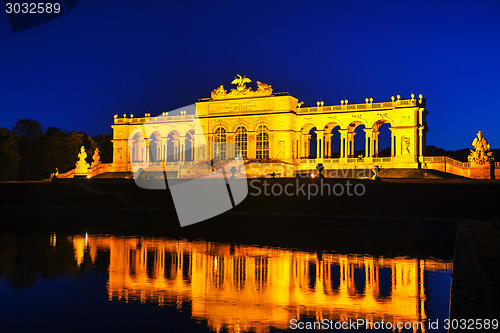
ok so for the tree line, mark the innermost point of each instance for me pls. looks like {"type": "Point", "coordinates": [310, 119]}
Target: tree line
{"type": "Point", "coordinates": [28, 152]}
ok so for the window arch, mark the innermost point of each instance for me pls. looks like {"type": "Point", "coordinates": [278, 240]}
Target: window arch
{"type": "Point", "coordinates": [173, 147]}
{"type": "Point", "coordinates": [155, 147]}
{"type": "Point", "coordinates": [262, 142]}
{"type": "Point", "coordinates": [241, 139]}
{"type": "Point", "coordinates": [137, 148]}
{"type": "Point", "coordinates": [189, 144]}
{"type": "Point", "coordinates": [219, 152]}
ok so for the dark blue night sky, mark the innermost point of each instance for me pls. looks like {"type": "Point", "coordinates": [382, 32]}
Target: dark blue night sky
{"type": "Point", "coordinates": [107, 57]}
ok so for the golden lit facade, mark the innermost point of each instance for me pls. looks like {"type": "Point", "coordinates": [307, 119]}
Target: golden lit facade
{"type": "Point", "coordinates": [273, 130]}
{"type": "Point", "coordinates": [244, 288]}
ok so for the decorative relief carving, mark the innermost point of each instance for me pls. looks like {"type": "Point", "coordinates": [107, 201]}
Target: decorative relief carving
{"type": "Point", "coordinates": [281, 148]}
{"type": "Point", "coordinates": [405, 142]}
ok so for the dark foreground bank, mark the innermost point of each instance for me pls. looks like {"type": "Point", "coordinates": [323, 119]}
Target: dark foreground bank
{"type": "Point", "coordinates": [391, 218]}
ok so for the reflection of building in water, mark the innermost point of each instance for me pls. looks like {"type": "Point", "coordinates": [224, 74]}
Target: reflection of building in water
{"type": "Point", "coordinates": [244, 287]}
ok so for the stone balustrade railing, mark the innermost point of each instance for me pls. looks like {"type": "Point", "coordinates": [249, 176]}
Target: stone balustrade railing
{"type": "Point", "coordinates": [142, 120]}
{"type": "Point", "coordinates": [363, 106]}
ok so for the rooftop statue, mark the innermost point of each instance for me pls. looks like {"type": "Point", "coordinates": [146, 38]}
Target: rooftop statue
{"type": "Point", "coordinates": [240, 83]}
{"type": "Point", "coordinates": [264, 87]}
{"type": "Point", "coordinates": [241, 90]}
{"type": "Point", "coordinates": [481, 153]}
{"type": "Point", "coordinates": [219, 91]}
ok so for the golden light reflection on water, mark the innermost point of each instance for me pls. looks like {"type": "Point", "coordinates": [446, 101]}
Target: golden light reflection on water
{"type": "Point", "coordinates": [243, 288]}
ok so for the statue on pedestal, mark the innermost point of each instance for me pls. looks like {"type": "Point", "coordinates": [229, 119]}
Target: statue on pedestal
{"type": "Point", "coordinates": [96, 158]}
{"type": "Point", "coordinates": [481, 153]}
{"type": "Point", "coordinates": [82, 167]}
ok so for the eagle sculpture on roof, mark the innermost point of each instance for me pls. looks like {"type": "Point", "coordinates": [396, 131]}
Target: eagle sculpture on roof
{"type": "Point", "coordinates": [240, 82]}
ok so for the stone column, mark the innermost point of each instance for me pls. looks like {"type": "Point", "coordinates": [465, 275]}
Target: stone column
{"type": "Point", "coordinates": [319, 143]}
{"type": "Point", "coordinates": [201, 151]}
{"type": "Point", "coordinates": [296, 143]}
{"type": "Point", "coordinates": [182, 145]}
{"type": "Point", "coordinates": [375, 143]}
{"type": "Point", "coordinates": [328, 145]}
{"type": "Point", "coordinates": [302, 146]}
{"type": "Point", "coordinates": [393, 148]}
{"type": "Point", "coordinates": [308, 146]}
{"type": "Point", "coordinates": [350, 137]}
{"type": "Point", "coordinates": [229, 148]}
{"type": "Point", "coordinates": [176, 150]}
{"type": "Point", "coordinates": [421, 143]}
{"type": "Point", "coordinates": [191, 151]}
{"type": "Point", "coordinates": [251, 146]}
{"type": "Point", "coordinates": [368, 142]}
{"type": "Point", "coordinates": [343, 142]}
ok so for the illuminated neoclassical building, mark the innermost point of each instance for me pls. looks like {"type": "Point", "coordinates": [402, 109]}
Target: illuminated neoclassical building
{"type": "Point", "coordinates": [277, 134]}
{"type": "Point", "coordinates": [274, 130]}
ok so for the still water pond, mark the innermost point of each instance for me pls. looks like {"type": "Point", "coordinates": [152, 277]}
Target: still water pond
{"type": "Point", "coordinates": [96, 283]}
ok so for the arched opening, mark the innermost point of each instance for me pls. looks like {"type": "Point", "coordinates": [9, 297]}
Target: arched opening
{"type": "Point", "coordinates": [155, 147]}
{"type": "Point", "coordinates": [219, 147]}
{"type": "Point", "coordinates": [304, 141]}
{"type": "Point", "coordinates": [384, 139]}
{"type": "Point", "coordinates": [359, 141]}
{"type": "Point", "coordinates": [332, 141]}
{"type": "Point", "coordinates": [313, 143]}
{"type": "Point", "coordinates": [189, 144]}
{"type": "Point", "coordinates": [173, 147]}
{"type": "Point", "coordinates": [241, 139]}
{"type": "Point", "coordinates": [137, 148]}
{"type": "Point", "coordinates": [355, 145]}
{"type": "Point", "coordinates": [262, 139]}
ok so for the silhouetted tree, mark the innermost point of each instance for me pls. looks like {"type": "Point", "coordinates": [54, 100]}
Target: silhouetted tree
{"type": "Point", "coordinates": [431, 150]}
{"type": "Point", "coordinates": [25, 257]}
{"type": "Point", "coordinates": [459, 154]}
{"type": "Point", "coordinates": [105, 145]}
{"type": "Point", "coordinates": [42, 152]}
{"type": "Point", "coordinates": [28, 129]}
{"type": "Point", "coordinates": [30, 132]}
{"type": "Point", "coordinates": [10, 156]}
{"type": "Point", "coordinates": [385, 152]}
